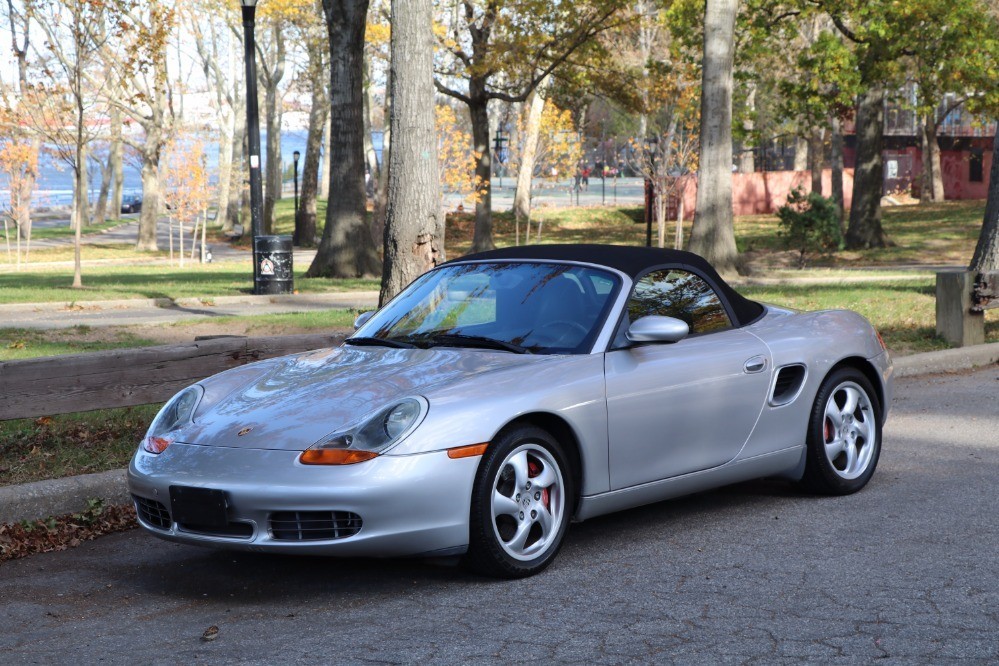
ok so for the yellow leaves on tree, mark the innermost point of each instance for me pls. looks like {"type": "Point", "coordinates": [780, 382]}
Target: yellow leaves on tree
{"type": "Point", "coordinates": [17, 160]}
{"type": "Point", "coordinates": [455, 158]}
{"type": "Point", "coordinates": [559, 147]}
{"type": "Point", "coordinates": [187, 187]}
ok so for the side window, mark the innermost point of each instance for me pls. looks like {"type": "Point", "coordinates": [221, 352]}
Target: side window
{"type": "Point", "coordinates": [679, 294]}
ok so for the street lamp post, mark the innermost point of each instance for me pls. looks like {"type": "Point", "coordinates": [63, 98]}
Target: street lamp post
{"type": "Point", "coordinates": [294, 157]}
{"type": "Point", "coordinates": [253, 133]}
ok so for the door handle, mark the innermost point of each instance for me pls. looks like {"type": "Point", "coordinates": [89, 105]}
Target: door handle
{"type": "Point", "coordinates": [756, 364]}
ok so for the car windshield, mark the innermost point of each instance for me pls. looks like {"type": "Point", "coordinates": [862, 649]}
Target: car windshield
{"type": "Point", "coordinates": [521, 307]}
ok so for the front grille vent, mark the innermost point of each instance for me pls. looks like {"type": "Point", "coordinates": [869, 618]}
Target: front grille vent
{"type": "Point", "coordinates": [234, 530]}
{"type": "Point", "coordinates": [152, 512]}
{"type": "Point", "coordinates": [314, 525]}
{"type": "Point", "coordinates": [787, 384]}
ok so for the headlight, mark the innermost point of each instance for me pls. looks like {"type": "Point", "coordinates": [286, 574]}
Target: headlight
{"type": "Point", "coordinates": [178, 412]}
{"type": "Point", "coordinates": [369, 438]}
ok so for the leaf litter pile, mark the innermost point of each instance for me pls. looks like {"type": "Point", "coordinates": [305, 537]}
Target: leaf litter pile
{"type": "Point", "coordinates": [67, 531]}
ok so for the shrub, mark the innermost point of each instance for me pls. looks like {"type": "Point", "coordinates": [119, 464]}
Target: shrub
{"type": "Point", "coordinates": [809, 223]}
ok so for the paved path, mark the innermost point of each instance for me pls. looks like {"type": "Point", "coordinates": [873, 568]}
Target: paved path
{"type": "Point", "coordinates": [903, 572]}
{"type": "Point", "coordinates": [161, 311]}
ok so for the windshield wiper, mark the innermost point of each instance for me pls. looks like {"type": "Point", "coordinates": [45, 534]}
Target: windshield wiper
{"type": "Point", "coordinates": [477, 341]}
{"type": "Point", "coordinates": [379, 342]}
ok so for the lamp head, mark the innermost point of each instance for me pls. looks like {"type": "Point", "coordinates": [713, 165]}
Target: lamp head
{"type": "Point", "coordinates": [295, 155]}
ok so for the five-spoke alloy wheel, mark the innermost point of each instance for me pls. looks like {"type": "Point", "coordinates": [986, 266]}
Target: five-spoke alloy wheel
{"type": "Point", "coordinates": [844, 434]}
{"type": "Point", "coordinates": [521, 504]}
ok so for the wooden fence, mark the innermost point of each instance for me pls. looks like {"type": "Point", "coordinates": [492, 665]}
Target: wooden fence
{"type": "Point", "coordinates": [127, 377]}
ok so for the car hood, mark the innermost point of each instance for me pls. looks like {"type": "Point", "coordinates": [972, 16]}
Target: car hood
{"type": "Point", "coordinates": [292, 402]}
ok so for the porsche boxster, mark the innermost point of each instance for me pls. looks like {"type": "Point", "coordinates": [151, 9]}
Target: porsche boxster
{"type": "Point", "coordinates": [506, 394]}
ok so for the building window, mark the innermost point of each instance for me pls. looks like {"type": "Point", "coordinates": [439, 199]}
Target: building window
{"type": "Point", "coordinates": [975, 174]}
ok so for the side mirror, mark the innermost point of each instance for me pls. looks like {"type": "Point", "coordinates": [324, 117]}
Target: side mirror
{"type": "Point", "coordinates": [657, 329]}
{"type": "Point", "coordinates": [362, 319]}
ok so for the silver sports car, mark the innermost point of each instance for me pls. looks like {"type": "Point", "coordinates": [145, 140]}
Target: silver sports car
{"type": "Point", "coordinates": [502, 396]}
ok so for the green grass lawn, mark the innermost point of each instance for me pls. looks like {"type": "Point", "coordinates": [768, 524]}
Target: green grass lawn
{"type": "Point", "coordinates": [20, 343]}
{"type": "Point", "coordinates": [153, 281]}
{"type": "Point", "coordinates": [119, 252]}
{"type": "Point", "coordinates": [70, 444]}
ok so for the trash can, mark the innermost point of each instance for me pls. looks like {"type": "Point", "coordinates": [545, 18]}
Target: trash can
{"type": "Point", "coordinates": [274, 274]}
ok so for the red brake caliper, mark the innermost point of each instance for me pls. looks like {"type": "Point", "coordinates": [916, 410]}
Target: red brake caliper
{"type": "Point", "coordinates": [533, 470]}
{"type": "Point", "coordinates": [827, 430]}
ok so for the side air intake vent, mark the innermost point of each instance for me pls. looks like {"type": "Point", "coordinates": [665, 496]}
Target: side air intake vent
{"type": "Point", "coordinates": [787, 384]}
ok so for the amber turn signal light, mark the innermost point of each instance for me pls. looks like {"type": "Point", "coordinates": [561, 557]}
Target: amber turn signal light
{"type": "Point", "coordinates": [335, 456]}
{"type": "Point", "coordinates": [467, 451]}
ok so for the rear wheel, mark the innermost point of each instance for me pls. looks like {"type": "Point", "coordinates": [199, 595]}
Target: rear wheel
{"type": "Point", "coordinates": [522, 501]}
{"type": "Point", "coordinates": [844, 434]}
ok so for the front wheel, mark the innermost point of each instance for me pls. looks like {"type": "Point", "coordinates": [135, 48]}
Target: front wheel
{"type": "Point", "coordinates": [844, 434]}
{"type": "Point", "coordinates": [522, 501]}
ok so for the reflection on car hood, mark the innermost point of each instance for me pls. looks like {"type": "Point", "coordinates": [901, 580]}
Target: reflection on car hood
{"type": "Point", "coordinates": [299, 399]}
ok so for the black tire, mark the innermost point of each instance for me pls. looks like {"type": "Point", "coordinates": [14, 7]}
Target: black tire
{"type": "Point", "coordinates": [828, 470]}
{"type": "Point", "coordinates": [489, 552]}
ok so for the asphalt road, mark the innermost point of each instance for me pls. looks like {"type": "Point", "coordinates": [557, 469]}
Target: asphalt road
{"type": "Point", "coordinates": [905, 571]}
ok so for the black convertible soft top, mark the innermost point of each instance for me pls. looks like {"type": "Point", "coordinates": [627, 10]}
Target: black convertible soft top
{"type": "Point", "coordinates": [632, 261]}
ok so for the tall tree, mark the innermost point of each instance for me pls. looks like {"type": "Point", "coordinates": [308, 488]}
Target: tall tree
{"type": "Point", "coordinates": [272, 56]}
{"type": "Point", "coordinates": [346, 248]}
{"type": "Point", "coordinates": [76, 32]}
{"type": "Point", "coordinates": [414, 223]}
{"type": "Point", "coordinates": [713, 234]}
{"type": "Point", "coordinates": [502, 50]}
{"type": "Point", "coordinates": [140, 89]}
{"type": "Point", "coordinates": [310, 33]}
{"type": "Point", "coordinates": [882, 33]}
{"type": "Point", "coordinates": [20, 41]}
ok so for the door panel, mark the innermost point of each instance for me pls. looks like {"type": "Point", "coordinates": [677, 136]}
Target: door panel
{"type": "Point", "coordinates": [678, 408]}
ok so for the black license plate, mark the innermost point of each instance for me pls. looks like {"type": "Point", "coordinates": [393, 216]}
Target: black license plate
{"type": "Point", "coordinates": [203, 507]}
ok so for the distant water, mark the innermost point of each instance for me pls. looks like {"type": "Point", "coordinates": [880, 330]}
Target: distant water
{"type": "Point", "coordinates": [55, 182]}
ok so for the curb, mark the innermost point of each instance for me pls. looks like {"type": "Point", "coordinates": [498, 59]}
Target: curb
{"type": "Point", "coordinates": [58, 496]}
{"type": "Point", "coordinates": [54, 497]}
{"type": "Point", "coordinates": [947, 360]}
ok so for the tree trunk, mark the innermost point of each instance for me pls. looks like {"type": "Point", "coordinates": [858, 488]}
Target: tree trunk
{"type": "Point", "coordinates": [865, 229]}
{"type": "Point", "coordinates": [101, 208]}
{"type": "Point", "coordinates": [370, 157]}
{"type": "Point", "coordinates": [986, 257]}
{"type": "Point", "coordinates": [836, 162]}
{"type": "Point", "coordinates": [525, 177]}
{"type": "Point", "coordinates": [380, 203]}
{"type": "Point", "coordinates": [272, 102]}
{"type": "Point", "coordinates": [324, 176]}
{"type": "Point", "coordinates": [149, 217]}
{"type": "Point", "coordinates": [746, 159]}
{"type": "Point", "coordinates": [26, 189]}
{"type": "Point", "coordinates": [117, 163]}
{"type": "Point", "coordinates": [85, 189]}
{"type": "Point", "coordinates": [713, 236]}
{"type": "Point", "coordinates": [478, 110]}
{"type": "Point", "coordinates": [816, 159]}
{"type": "Point", "coordinates": [305, 220]}
{"type": "Point", "coordinates": [800, 154]}
{"type": "Point", "coordinates": [346, 249]}
{"type": "Point", "coordinates": [932, 189]}
{"type": "Point", "coordinates": [225, 169]}
{"type": "Point", "coordinates": [414, 224]}
{"type": "Point", "coordinates": [238, 173]}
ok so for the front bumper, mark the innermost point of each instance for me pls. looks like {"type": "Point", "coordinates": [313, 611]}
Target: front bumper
{"type": "Point", "coordinates": [407, 505]}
